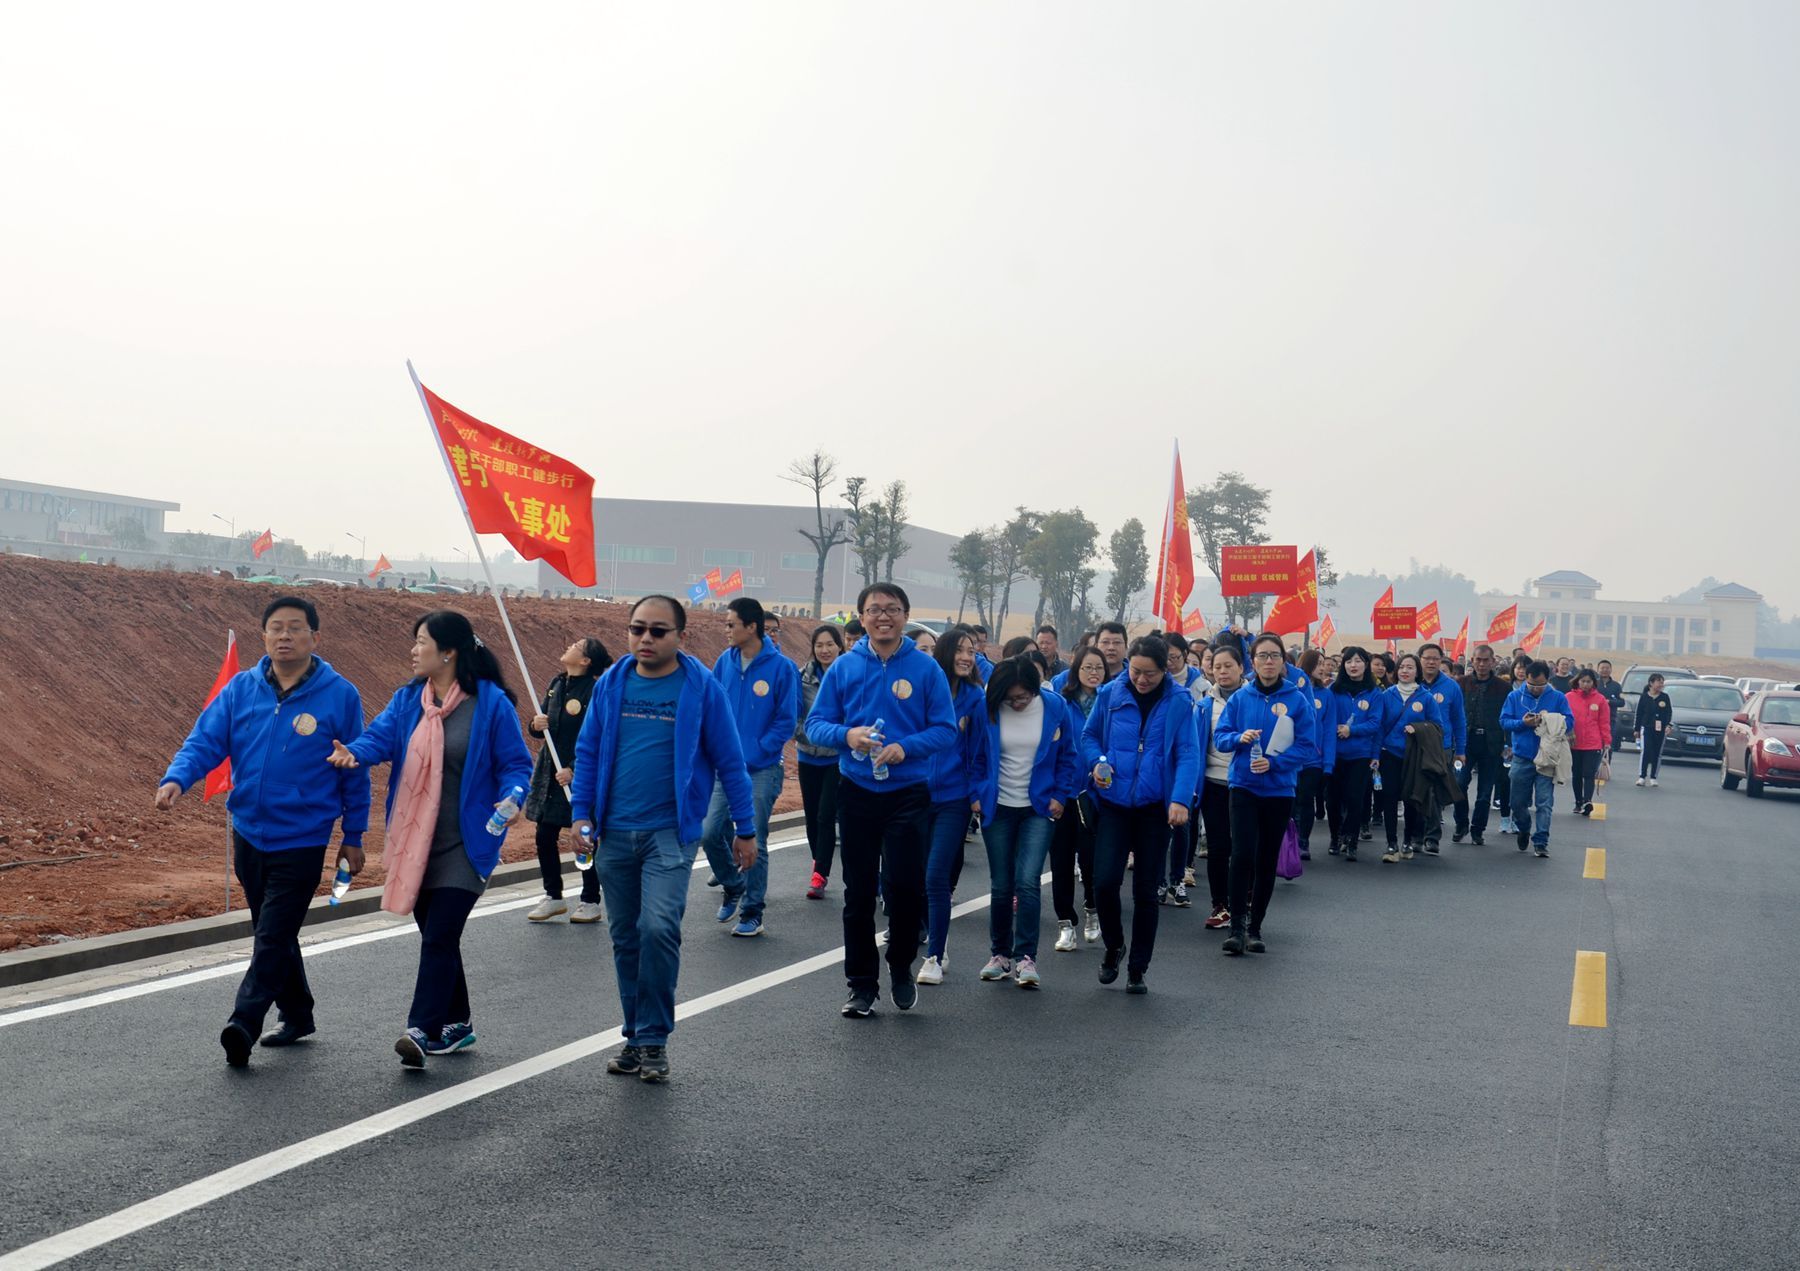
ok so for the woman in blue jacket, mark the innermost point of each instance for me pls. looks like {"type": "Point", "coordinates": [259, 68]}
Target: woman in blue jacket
{"type": "Point", "coordinates": [1316, 776]}
{"type": "Point", "coordinates": [1356, 705]}
{"type": "Point", "coordinates": [482, 760]}
{"type": "Point", "coordinates": [956, 775]}
{"type": "Point", "coordinates": [1406, 708]}
{"type": "Point", "coordinates": [1030, 778]}
{"type": "Point", "coordinates": [1073, 842]}
{"type": "Point", "coordinates": [1267, 729]}
{"type": "Point", "coordinates": [1142, 729]}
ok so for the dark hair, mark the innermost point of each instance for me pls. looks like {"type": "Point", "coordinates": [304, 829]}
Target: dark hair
{"type": "Point", "coordinates": [1343, 683]}
{"type": "Point", "coordinates": [595, 652]}
{"type": "Point", "coordinates": [854, 627]}
{"type": "Point", "coordinates": [750, 612]}
{"type": "Point", "coordinates": [1015, 646]}
{"type": "Point", "coordinates": [1152, 647]}
{"type": "Point", "coordinates": [1047, 627]}
{"type": "Point", "coordinates": [824, 628]}
{"type": "Point", "coordinates": [1114, 628]}
{"type": "Point", "coordinates": [1434, 645]}
{"type": "Point", "coordinates": [1268, 637]}
{"type": "Point", "coordinates": [1389, 668]}
{"type": "Point", "coordinates": [1656, 677]}
{"type": "Point", "coordinates": [948, 646]}
{"type": "Point", "coordinates": [883, 589]}
{"type": "Point", "coordinates": [1034, 655]}
{"type": "Point", "coordinates": [1537, 667]}
{"type": "Point", "coordinates": [1309, 661]}
{"type": "Point", "coordinates": [979, 628]}
{"type": "Point", "coordinates": [675, 607]}
{"type": "Point", "coordinates": [1175, 640]}
{"type": "Point", "coordinates": [1586, 673]}
{"type": "Point", "coordinates": [475, 662]}
{"type": "Point", "coordinates": [293, 602]}
{"type": "Point", "coordinates": [1072, 686]}
{"type": "Point", "coordinates": [1010, 673]}
{"type": "Point", "coordinates": [1418, 667]}
{"type": "Point", "coordinates": [1231, 647]}
{"type": "Point", "coordinates": [1478, 648]}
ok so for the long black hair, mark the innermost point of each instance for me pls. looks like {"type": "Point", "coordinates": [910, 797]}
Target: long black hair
{"type": "Point", "coordinates": [598, 658]}
{"type": "Point", "coordinates": [1073, 688]}
{"type": "Point", "coordinates": [1010, 673]}
{"type": "Point", "coordinates": [945, 654]}
{"type": "Point", "coordinates": [475, 662]}
{"type": "Point", "coordinates": [1343, 683]}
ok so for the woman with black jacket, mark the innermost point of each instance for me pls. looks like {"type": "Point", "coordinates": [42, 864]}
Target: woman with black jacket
{"type": "Point", "coordinates": [1652, 721]}
{"type": "Point", "coordinates": [564, 707]}
{"type": "Point", "coordinates": [818, 764]}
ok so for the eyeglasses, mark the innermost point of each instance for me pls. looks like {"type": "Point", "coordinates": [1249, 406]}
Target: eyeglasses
{"type": "Point", "coordinates": [883, 611]}
{"type": "Point", "coordinates": [638, 630]}
{"type": "Point", "coordinates": [1268, 655]}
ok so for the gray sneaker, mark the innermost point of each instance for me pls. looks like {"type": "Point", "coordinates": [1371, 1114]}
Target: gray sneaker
{"type": "Point", "coordinates": [1090, 926]}
{"type": "Point", "coordinates": [547, 908]}
{"type": "Point", "coordinates": [588, 911]}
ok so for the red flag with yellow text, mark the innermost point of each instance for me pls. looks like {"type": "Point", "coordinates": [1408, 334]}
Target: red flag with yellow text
{"type": "Point", "coordinates": [1533, 638]}
{"type": "Point", "coordinates": [1461, 643]}
{"type": "Point", "coordinates": [733, 583]}
{"type": "Point", "coordinates": [1300, 610]}
{"type": "Point", "coordinates": [1175, 562]}
{"type": "Point", "coordinates": [1429, 624]}
{"type": "Point", "coordinates": [1327, 631]}
{"type": "Point", "coordinates": [263, 543]}
{"type": "Point", "coordinates": [1386, 601]}
{"type": "Point", "coordinates": [539, 502]}
{"type": "Point", "coordinates": [218, 781]}
{"type": "Point", "coordinates": [1505, 624]}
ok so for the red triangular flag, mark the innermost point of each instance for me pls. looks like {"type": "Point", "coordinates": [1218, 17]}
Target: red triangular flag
{"type": "Point", "coordinates": [1300, 610]}
{"type": "Point", "coordinates": [1461, 642]}
{"type": "Point", "coordinates": [1386, 601]}
{"type": "Point", "coordinates": [263, 543]}
{"type": "Point", "coordinates": [1533, 638]}
{"type": "Point", "coordinates": [381, 567]}
{"type": "Point", "coordinates": [1428, 622]}
{"type": "Point", "coordinates": [218, 781]}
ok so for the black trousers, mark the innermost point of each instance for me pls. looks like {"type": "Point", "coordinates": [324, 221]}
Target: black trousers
{"type": "Point", "coordinates": [1393, 807]}
{"type": "Point", "coordinates": [1349, 805]}
{"type": "Point", "coordinates": [549, 850]}
{"type": "Point", "coordinates": [1650, 761]}
{"type": "Point", "coordinates": [1485, 770]}
{"type": "Point", "coordinates": [1586, 769]}
{"type": "Point", "coordinates": [1306, 795]}
{"type": "Point", "coordinates": [1215, 811]}
{"type": "Point", "coordinates": [1072, 844]}
{"type": "Point", "coordinates": [1123, 832]}
{"type": "Point", "coordinates": [441, 991]}
{"type": "Point", "coordinates": [1258, 823]}
{"type": "Point", "coordinates": [819, 797]}
{"type": "Point", "coordinates": [885, 840]}
{"type": "Point", "coordinates": [279, 887]}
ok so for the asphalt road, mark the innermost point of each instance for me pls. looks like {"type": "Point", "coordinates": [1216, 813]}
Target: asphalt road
{"type": "Point", "coordinates": [1396, 1083]}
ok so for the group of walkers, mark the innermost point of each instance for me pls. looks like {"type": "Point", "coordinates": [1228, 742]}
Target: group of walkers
{"type": "Point", "coordinates": [1125, 758]}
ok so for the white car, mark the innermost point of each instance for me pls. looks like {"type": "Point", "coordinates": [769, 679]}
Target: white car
{"type": "Point", "coordinates": [318, 582]}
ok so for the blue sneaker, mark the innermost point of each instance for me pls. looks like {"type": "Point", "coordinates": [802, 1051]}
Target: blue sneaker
{"type": "Point", "coordinates": [452, 1038]}
{"type": "Point", "coordinates": [748, 927]}
{"type": "Point", "coordinates": [727, 907]}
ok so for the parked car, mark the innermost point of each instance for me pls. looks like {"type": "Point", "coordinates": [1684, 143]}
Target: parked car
{"type": "Point", "coordinates": [319, 582]}
{"type": "Point", "coordinates": [1702, 711]}
{"type": "Point", "coordinates": [440, 589]}
{"type": "Point", "coordinates": [1762, 744]}
{"type": "Point", "coordinates": [1750, 686]}
{"type": "Point", "coordinates": [1723, 679]}
{"type": "Point", "coordinates": [1632, 686]}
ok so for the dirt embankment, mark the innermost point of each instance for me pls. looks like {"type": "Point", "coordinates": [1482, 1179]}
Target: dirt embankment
{"type": "Point", "coordinates": [102, 671]}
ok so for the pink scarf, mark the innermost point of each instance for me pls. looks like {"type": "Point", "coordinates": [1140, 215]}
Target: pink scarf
{"type": "Point", "coordinates": [414, 820]}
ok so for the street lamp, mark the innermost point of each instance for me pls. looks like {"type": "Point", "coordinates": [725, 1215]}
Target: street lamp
{"type": "Point", "coordinates": [362, 547]}
{"type": "Point", "coordinates": [468, 568]}
{"type": "Point", "coordinates": [232, 523]}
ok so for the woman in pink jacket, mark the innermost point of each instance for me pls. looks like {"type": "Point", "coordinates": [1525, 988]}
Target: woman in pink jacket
{"type": "Point", "coordinates": [1593, 732]}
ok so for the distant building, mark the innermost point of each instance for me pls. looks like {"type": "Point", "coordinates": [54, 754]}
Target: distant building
{"type": "Point", "coordinates": [1722, 622]}
{"type": "Point", "coordinates": [80, 518]}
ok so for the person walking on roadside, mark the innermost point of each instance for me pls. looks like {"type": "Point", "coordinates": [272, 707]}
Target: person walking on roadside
{"type": "Point", "coordinates": [562, 713]}
{"type": "Point", "coordinates": [1268, 729]}
{"type": "Point", "coordinates": [1533, 791]}
{"type": "Point", "coordinates": [888, 707]}
{"type": "Point", "coordinates": [1072, 846]}
{"type": "Point", "coordinates": [659, 738]}
{"type": "Point", "coordinates": [1446, 695]}
{"type": "Point", "coordinates": [763, 688]}
{"type": "Point", "coordinates": [956, 774]}
{"type": "Point", "coordinates": [1655, 715]}
{"type": "Point", "coordinates": [1358, 713]}
{"type": "Point", "coordinates": [1592, 737]}
{"type": "Point", "coordinates": [457, 759]}
{"type": "Point", "coordinates": [1141, 752]}
{"type": "Point", "coordinates": [1484, 693]}
{"type": "Point", "coordinates": [1613, 691]}
{"type": "Point", "coordinates": [1405, 707]}
{"type": "Point", "coordinates": [817, 765]}
{"type": "Point", "coordinates": [1227, 664]}
{"type": "Point", "coordinates": [274, 722]}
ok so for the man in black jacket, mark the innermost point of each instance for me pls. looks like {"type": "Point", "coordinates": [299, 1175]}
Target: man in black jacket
{"type": "Point", "coordinates": [1484, 693]}
{"type": "Point", "coordinates": [1614, 692]}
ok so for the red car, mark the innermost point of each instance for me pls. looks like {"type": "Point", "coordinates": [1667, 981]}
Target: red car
{"type": "Point", "coordinates": [1762, 744]}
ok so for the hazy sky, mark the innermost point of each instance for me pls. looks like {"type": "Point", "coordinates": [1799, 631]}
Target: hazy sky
{"type": "Point", "coordinates": [1514, 287]}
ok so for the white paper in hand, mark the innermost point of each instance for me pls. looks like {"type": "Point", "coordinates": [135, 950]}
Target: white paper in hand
{"type": "Point", "coordinates": [1280, 737]}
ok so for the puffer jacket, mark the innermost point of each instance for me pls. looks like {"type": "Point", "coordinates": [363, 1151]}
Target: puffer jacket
{"type": "Point", "coordinates": [1593, 719]}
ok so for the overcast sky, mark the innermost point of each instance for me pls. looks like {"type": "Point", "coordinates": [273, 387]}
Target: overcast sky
{"type": "Point", "coordinates": [1514, 287]}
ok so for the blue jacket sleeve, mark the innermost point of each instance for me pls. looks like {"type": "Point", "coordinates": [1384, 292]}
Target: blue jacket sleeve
{"type": "Point", "coordinates": [1326, 731]}
{"type": "Point", "coordinates": [939, 730]}
{"type": "Point", "coordinates": [208, 743]}
{"type": "Point", "coordinates": [1512, 714]}
{"type": "Point", "coordinates": [719, 739]}
{"type": "Point", "coordinates": [506, 743]}
{"type": "Point", "coordinates": [382, 741]}
{"type": "Point", "coordinates": [1362, 723]}
{"type": "Point", "coordinates": [1189, 768]}
{"type": "Point", "coordinates": [584, 788]}
{"type": "Point", "coordinates": [1068, 754]}
{"type": "Point", "coordinates": [975, 752]}
{"type": "Point", "coordinates": [786, 692]}
{"type": "Point", "coordinates": [1459, 720]}
{"type": "Point", "coordinates": [1093, 740]}
{"type": "Point", "coordinates": [825, 724]}
{"type": "Point", "coordinates": [353, 783]}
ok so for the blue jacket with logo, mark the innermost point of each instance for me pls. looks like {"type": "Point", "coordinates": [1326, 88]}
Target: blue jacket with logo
{"type": "Point", "coordinates": [1520, 703]}
{"type": "Point", "coordinates": [1366, 714]}
{"type": "Point", "coordinates": [1448, 696]}
{"type": "Point", "coordinates": [765, 701]}
{"type": "Point", "coordinates": [1154, 760]}
{"type": "Point", "coordinates": [907, 690]}
{"type": "Point", "coordinates": [1055, 769]}
{"type": "Point", "coordinates": [956, 771]}
{"type": "Point", "coordinates": [497, 760]}
{"type": "Point", "coordinates": [706, 750]}
{"type": "Point", "coordinates": [1420, 708]}
{"type": "Point", "coordinates": [1325, 736]}
{"type": "Point", "coordinates": [1253, 706]}
{"type": "Point", "coordinates": [283, 793]}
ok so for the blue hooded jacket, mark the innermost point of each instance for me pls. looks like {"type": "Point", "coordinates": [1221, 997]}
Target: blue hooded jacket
{"type": "Point", "coordinates": [956, 771]}
{"type": "Point", "coordinates": [283, 793]}
{"type": "Point", "coordinates": [1155, 760]}
{"type": "Point", "coordinates": [1520, 703]}
{"type": "Point", "coordinates": [1364, 712]}
{"type": "Point", "coordinates": [907, 690]}
{"type": "Point", "coordinates": [1420, 708]}
{"type": "Point", "coordinates": [1325, 736]}
{"type": "Point", "coordinates": [497, 759]}
{"type": "Point", "coordinates": [765, 701]}
{"type": "Point", "coordinates": [1055, 770]}
{"type": "Point", "coordinates": [1253, 706]}
{"type": "Point", "coordinates": [1448, 696]}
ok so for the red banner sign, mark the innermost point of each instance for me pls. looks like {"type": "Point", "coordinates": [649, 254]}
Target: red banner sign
{"type": "Point", "coordinates": [1396, 622]}
{"type": "Point", "coordinates": [1258, 569]}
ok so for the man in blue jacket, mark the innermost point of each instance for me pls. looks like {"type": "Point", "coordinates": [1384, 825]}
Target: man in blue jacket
{"type": "Point", "coordinates": [1447, 693]}
{"type": "Point", "coordinates": [658, 734]}
{"type": "Point", "coordinates": [884, 795]}
{"type": "Point", "coordinates": [275, 722]}
{"type": "Point", "coordinates": [1533, 791]}
{"type": "Point", "coordinates": [763, 688]}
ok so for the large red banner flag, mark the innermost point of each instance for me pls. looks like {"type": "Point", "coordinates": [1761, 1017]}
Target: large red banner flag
{"type": "Point", "coordinates": [1300, 610]}
{"type": "Point", "coordinates": [539, 502]}
{"type": "Point", "coordinates": [1194, 624]}
{"type": "Point", "coordinates": [1175, 562]}
{"type": "Point", "coordinates": [263, 543]}
{"type": "Point", "coordinates": [218, 781]}
{"type": "Point", "coordinates": [1429, 622]}
{"type": "Point", "coordinates": [1385, 602]}
{"type": "Point", "coordinates": [381, 567]}
{"type": "Point", "coordinates": [1533, 638]}
{"type": "Point", "coordinates": [1505, 624]}
{"type": "Point", "coordinates": [1460, 646]}
{"type": "Point", "coordinates": [733, 583]}
{"type": "Point", "coordinates": [1327, 632]}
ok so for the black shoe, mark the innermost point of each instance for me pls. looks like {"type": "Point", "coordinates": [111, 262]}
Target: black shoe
{"type": "Point", "coordinates": [1234, 943]}
{"type": "Point", "coordinates": [1475, 840]}
{"type": "Point", "coordinates": [1544, 852]}
{"type": "Point", "coordinates": [712, 880]}
{"type": "Point", "coordinates": [287, 1034]}
{"type": "Point", "coordinates": [1334, 847]}
{"type": "Point", "coordinates": [906, 993]}
{"type": "Point", "coordinates": [653, 1064]}
{"type": "Point", "coordinates": [1134, 982]}
{"type": "Point", "coordinates": [1524, 837]}
{"type": "Point", "coordinates": [1457, 836]}
{"type": "Point", "coordinates": [1432, 849]}
{"type": "Point", "coordinates": [1109, 965]}
{"type": "Point", "coordinates": [861, 1003]}
{"type": "Point", "coordinates": [236, 1040]}
{"type": "Point", "coordinates": [1305, 855]}
{"type": "Point", "coordinates": [1253, 942]}
{"type": "Point", "coordinates": [626, 1063]}
{"type": "Point", "coordinates": [1367, 835]}
{"type": "Point", "coordinates": [1350, 854]}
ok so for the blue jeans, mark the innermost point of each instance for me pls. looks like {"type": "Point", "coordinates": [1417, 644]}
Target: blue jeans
{"type": "Point", "coordinates": [944, 844]}
{"type": "Point", "coordinates": [645, 874]}
{"type": "Point", "coordinates": [1532, 793]}
{"type": "Point", "coordinates": [1017, 839]}
{"type": "Point", "coordinates": [753, 886]}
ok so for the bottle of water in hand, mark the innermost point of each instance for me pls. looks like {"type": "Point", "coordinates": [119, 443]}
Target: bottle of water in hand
{"type": "Point", "coordinates": [1375, 768]}
{"type": "Point", "coordinates": [340, 885]}
{"type": "Point", "coordinates": [584, 851]}
{"type": "Point", "coordinates": [862, 756]}
{"type": "Point", "coordinates": [1256, 751]}
{"type": "Point", "coordinates": [507, 808]}
{"type": "Point", "coordinates": [1103, 773]}
{"type": "Point", "coordinates": [877, 769]}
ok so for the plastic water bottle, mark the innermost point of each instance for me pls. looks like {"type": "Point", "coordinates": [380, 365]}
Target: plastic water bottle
{"type": "Point", "coordinates": [1103, 773]}
{"type": "Point", "coordinates": [1376, 769]}
{"type": "Point", "coordinates": [1459, 765]}
{"type": "Point", "coordinates": [504, 813]}
{"type": "Point", "coordinates": [341, 884]}
{"type": "Point", "coordinates": [877, 769]}
{"type": "Point", "coordinates": [584, 850]}
{"type": "Point", "coordinates": [862, 756]}
{"type": "Point", "coordinates": [1256, 751]}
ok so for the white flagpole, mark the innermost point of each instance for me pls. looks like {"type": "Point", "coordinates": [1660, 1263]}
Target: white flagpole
{"type": "Point", "coordinates": [505, 621]}
{"type": "Point", "coordinates": [230, 840]}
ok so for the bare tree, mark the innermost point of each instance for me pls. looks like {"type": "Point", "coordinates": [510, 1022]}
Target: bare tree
{"type": "Point", "coordinates": [816, 472]}
{"type": "Point", "coordinates": [894, 543]}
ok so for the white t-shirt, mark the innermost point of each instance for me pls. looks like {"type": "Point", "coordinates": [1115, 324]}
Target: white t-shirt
{"type": "Point", "coordinates": [1020, 732]}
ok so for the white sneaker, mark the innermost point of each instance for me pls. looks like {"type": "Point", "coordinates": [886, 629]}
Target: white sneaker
{"type": "Point", "coordinates": [1652, 783]}
{"type": "Point", "coordinates": [547, 908]}
{"type": "Point", "coordinates": [1065, 937]}
{"type": "Point", "coordinates": [930, 973]}
{"type": "Point", "coordinates": [588, 911]}
{"type": "Point", "coordinates": [1090, 926]}
{"type": "Point", "coordinates": [1640, 781]}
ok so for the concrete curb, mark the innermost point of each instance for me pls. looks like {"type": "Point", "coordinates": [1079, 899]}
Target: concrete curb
{"type": "Point", "coordinates": [44, 962]}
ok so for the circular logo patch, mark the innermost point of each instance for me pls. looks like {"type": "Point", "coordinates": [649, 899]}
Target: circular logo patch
{"type": "Point", "coordinates": [1438, 698]}
{"type": "Point", "coordinates": [963, 723]}
{"type": "Point", "coordinates": [1363, 705]}
{"type": "Point", "coordinates": [1280, 708]}
{"type": "Point", "coordinates": [1318, 705]}
{"type": "Point", "coordinates": [1419, 707]}
{"type": "Point", "coordinates": [572, 706]}
{"type": "Point", "coordinates": [760, 688]}
{"type": "Point", "coordinates": [1595, 706]}
{"type": "Point", "coordinates": [305, 725]}
{"type": "Point", "coordinates": [903, 689]}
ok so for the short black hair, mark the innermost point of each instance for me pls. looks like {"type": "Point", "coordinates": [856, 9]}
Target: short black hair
{"type": "Point", "coordinates": [1047, 627]}
{"type": "Point", "coordinates": [1175, 640]}
{"type": "Point", "coordinates": [675, 607]}
{"type": "Point", "coordinates": [883, 589]}
{"type": "Point", "coordinates": [1432, 645]}
{"type": "Point", "coordinates": [1011, 673]}
{"type": "Point", "coordinates": [1017, 645]}
{"type": "Point", "coordinates": [749, 611]}
{"type": "Point", "coordinates": [1153, 647]}
{"type": "Point", "coordinates": [854, 627]}
{"type": "Point", "coordinates": [1537, 667]}
{"type": "Point", "coordinates": [293, 602]}
{"type": "Point", "coordinates": [1113, 628]}
{"type": "Point", "coordinates": [979, 628]}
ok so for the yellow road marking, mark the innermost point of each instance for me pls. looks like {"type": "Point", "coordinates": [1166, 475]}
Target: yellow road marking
{"type": "Point", "coordinates": [1599, 812]}
{"type": "Point", "coordinates": [1596, 863]}
{"type": "Point", "coordinates": [1587, 1001]}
